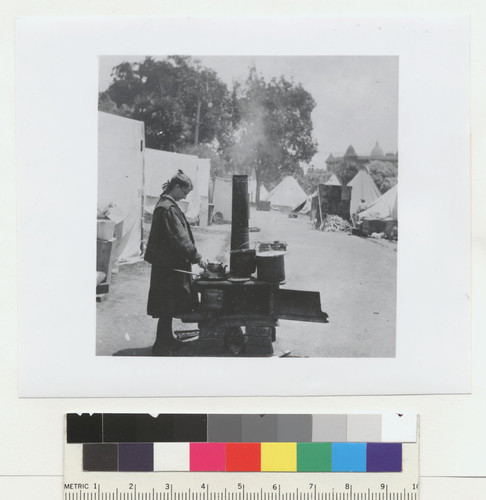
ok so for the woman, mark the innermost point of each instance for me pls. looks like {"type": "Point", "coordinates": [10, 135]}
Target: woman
{"type": "Point", "coordinates": [170, 246]}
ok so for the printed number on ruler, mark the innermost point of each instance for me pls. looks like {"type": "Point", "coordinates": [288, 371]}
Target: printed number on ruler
{"type": "Point", "coordinates": [328, 489]}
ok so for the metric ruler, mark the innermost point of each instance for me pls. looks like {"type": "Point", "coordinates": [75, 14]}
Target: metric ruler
{"type": "Point", "coordinates": [83, 483]}
{"type": "Point", "coordinates": [245, 486]}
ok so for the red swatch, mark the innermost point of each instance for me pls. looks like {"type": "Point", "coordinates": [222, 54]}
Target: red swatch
{"type": "Point", "coordinates": [243, 457]}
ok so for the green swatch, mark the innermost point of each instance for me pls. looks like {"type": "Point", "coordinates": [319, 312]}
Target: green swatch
{"type": "Point", "coordinates": [314, 457]}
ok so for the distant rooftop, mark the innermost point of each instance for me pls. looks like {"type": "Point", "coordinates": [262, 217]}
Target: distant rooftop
{"type": "Point", "coordinates": [376, 154]}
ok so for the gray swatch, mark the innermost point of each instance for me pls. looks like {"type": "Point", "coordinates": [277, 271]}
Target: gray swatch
{"type": "Point", "coordinates": [294, 428]}
{"type": "Point", "coordinates": [259, 428]}
{"type": "Point", "coordinates": [364, 428]}
{"type": "Point", "coordinates": [329, 428]}
{"type": "Point", "coordinates": [224, 428]}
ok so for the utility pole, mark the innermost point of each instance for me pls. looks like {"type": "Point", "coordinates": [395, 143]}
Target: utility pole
{"type": "Point", "coordinates": [198, 117]}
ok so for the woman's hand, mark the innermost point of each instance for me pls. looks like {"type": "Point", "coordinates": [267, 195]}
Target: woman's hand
{"type": "Point", "coordinates": [201, 262]}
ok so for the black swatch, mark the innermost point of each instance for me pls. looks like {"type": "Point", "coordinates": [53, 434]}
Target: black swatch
{"type": "Point", "coordinates": [191, 428]}
{"type": "Point", "coordinates": [100, 457]}
{"type": "Point", "coordinates": [84, 428]}
{"type": "Point", "coordinates": [119, 427]}
{"type": "Point", "coordinates": [137, 428]}
{"type": "Point", "coordinates": [154, 429]}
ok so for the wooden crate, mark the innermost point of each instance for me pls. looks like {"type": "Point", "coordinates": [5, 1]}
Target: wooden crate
{"type": "Point", "coordinates": [371, 226]}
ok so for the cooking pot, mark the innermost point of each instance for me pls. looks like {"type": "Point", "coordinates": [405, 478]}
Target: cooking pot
{"type": "Point", "coordinates": [270, 266]}
{"type": "Point", "coordinates": [242, 262]}
{"type": "Point", "coordinates": [214, 270]}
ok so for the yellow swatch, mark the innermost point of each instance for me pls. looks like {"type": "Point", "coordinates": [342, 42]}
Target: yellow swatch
{"type": "Point", "coordinates": [279, 457]}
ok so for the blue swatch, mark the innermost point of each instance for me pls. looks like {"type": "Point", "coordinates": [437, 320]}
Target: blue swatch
{"type": "Point", "coordinates": [349, 457]}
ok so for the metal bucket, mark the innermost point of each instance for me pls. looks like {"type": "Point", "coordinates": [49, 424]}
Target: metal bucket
{"type": "Point", "coordinates": [271, 266]}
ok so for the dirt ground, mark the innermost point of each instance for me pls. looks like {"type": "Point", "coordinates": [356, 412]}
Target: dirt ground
{"type": "Point", "coordinates": [356, 278]}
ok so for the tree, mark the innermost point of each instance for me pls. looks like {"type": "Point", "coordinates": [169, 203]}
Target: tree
{"type": "Point", "coordinates": [262, 127]}
{"type": "Point", "coordinates": [219, 167]}
{"type": "Point", "coordinates": [181, 102]}
{"type": "Point", "coordinates": [345, 170]}
{"type": "Point", "coordinates": [312, 179]}
{"type": "Point", "coordinates": [385, 174]}
{"type": "Point", "coordinates": [127, 85]}
{"type": "Point", "coordinates": [108, 106]}
{"type": "Point", "coordinates": [274, 134]}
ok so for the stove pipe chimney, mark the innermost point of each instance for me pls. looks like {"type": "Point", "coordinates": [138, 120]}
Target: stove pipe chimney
{"type": "Point", "coordinates": [240, 213]}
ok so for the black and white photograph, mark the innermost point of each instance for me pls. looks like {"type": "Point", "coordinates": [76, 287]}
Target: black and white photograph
{"type": "Point", "coordinates": [235, 191]}
{"type": "Point", "coordinates": [247, 206]}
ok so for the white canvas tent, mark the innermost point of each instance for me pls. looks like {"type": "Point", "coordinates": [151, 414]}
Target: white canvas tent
{"type": "Point", "coordinates": [287, 194]}
{"type": "Point", "coordinates": [385, 207]}
{"type": "Point", "coordinates": [252, 188]}
{"type": "Point", "coordinates": [305, 208]}
{"type": "Point", "coordinates": [160, 166]}
{"type": "Point", "coordinates": [221, 198]}
{"type": "Point", "coordinates": [222, 190]}
{"type": "Point", "coordinates": [120, 177]}
{"type": "Point", "coordinates": [333, 181]}
{"type": "Point", "coordinates": [364, 188]}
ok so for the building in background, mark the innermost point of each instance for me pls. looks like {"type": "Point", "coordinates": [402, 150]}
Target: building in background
{"type": "Point", "coordinates": [352, 159]}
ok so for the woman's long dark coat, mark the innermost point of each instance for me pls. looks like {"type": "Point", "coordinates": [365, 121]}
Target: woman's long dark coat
{"type": "Point", "coordinates": [170, 246]}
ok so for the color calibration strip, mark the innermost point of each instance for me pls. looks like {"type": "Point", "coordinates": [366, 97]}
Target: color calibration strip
{"type": "Point", "coordinates": [241, 443]}
{"type": "Point", "coordinates": [243, 457]}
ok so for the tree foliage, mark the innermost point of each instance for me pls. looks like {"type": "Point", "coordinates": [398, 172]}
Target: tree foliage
{"type": "Point", "coordinates": [259, 126]}
{"type": "Point", "coordinates": [219, 167]}
{"type": "Point", "coordinates": [385, 174]}
{"type": "Point", "coordinates": [345, 170]}
{"type": "Point", "coordinates": [274, 134]}
{"type": "Point", "coordinates": [180, 102]}
{"type": "Point", "coordinates": [312, 179]}
{"type": "Point", "coordinates": [108, 106]}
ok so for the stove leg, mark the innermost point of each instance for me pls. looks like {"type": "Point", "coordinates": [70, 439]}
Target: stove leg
{"type": "Point", "coordinates": [211, 341]}
{"type": "Point", "coordinates": [234, 340]}
{"type": "Point", "coordinates": [259, 341]}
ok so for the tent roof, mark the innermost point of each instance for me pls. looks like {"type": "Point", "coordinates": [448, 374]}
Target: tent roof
{"type": "Point", "coordinates": [252, 186]}
{"type": "Point", "coordinates": [333, 181]}
{"type": "Point", "coordinates": [287, 194]}
{"type": "Point", "coordinates": [385, 207]}
{"type": "Point", "coordinates": [364, 188]}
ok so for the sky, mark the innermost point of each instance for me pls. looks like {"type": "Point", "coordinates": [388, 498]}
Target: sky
{"type": "Point", "coordinates": [356, 96]}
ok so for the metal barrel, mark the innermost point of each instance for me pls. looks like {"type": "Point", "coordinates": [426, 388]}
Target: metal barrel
{"type": "Point", "coordinates": [240, 213]}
